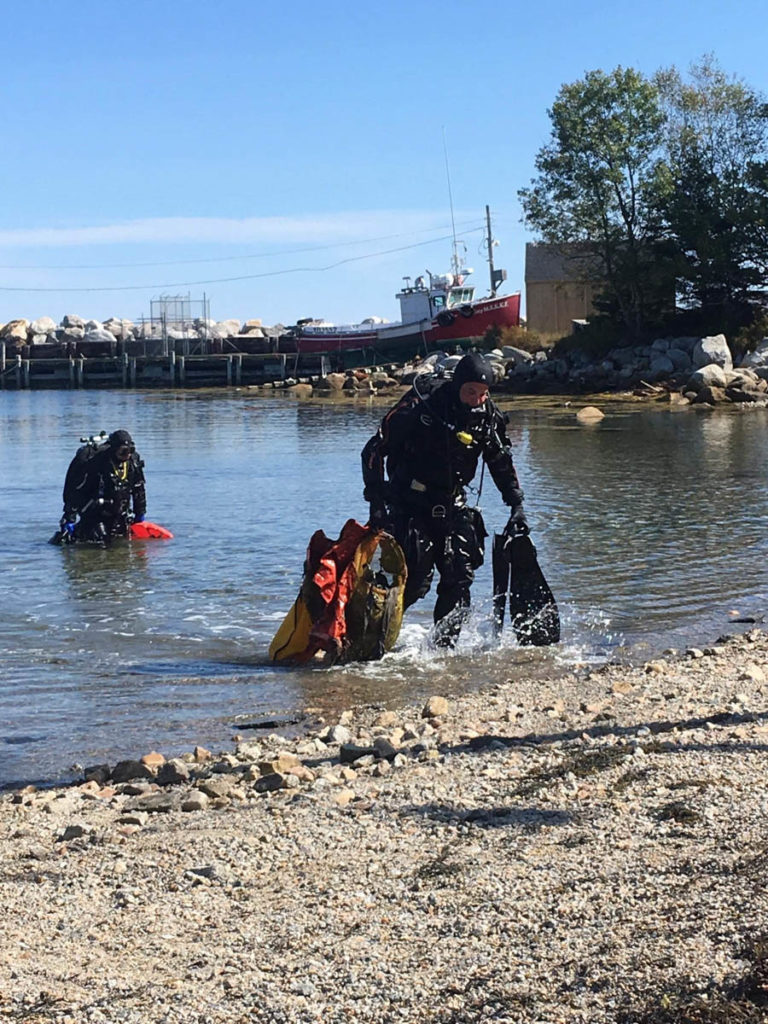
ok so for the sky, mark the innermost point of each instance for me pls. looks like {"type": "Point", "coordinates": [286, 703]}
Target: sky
{"type": "Point", "coordinates": [294, 160]}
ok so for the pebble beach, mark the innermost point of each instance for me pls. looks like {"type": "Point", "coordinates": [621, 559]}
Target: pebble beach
{"type": "Point", "coordinates": [590, 847]}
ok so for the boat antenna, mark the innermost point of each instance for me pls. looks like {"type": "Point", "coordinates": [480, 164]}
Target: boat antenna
{"type": "Point", "coordinates": [455, 259]}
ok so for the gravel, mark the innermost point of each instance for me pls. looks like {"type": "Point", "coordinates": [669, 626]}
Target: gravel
{"type": "Point", "coordinates": [585, 848]}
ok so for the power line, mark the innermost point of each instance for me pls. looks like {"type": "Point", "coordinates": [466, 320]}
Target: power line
{"type": "Point", "coordinates": [243, 277]}
{"type": "Point", "coordinates": [217, 259]}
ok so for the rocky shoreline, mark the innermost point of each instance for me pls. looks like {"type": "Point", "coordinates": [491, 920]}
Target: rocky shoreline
{"type": "Point", "coordinates": [582, 848]}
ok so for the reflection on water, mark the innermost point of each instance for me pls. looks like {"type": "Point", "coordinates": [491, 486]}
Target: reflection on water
{"type": "Point", "coordinates": [651, 527]}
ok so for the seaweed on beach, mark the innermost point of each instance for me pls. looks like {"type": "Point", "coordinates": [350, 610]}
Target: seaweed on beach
{"type": "Point", "coordinates": [629, 779]}
{"type": "Point", "coordinates": [742, 1002]}
{"type": "Point", "coordinates": [44, 1008]}
{"type": "Point", "coordinates": [580, 763]}
{"type": "Point", "coordinates": [438, 867]}
{"type": "Point", "coordinates": [679, 812]}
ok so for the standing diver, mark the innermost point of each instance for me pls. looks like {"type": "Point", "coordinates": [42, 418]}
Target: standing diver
{"type": "Point", "coordinates": [102, 482]}
{"type": "Point", "coordinates": [430, 443]}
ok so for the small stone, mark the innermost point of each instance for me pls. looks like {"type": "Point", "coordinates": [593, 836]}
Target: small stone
{"type": "Point", "coordinates": [351, 752]}
{"type": "Point", "coordinates": [753, 673]}
{"type": "Point", "coordinates": [383, 747]}
{"type": "Point", "coordinates": [590, 414]}
{"type": "Point", "coordinates": [281, 764]}
{"type": "Point", "coordinates": [655, 667]}
{"type": "Point", "coordinates": [73, 832]}
{"type": "Point", "coordinates": [153, 760]}
{"type": "Point", "coordinates": [195, 801]}
{"type": "Point", "coordinates": [173, 772]}
{"type": "Point", "coordinates": [269, 783]}
{"type": "Point", "coordinates": [139, 818]}
{"type": "Point", "coordinates": [97, 772]}
{"type": "Point", "coordinates": [126, 771]}
{"type": "Point", "coordinates": [336, 734]}
{"type": "Point", "coordinates": [218, 786]}
{"type": "Point", "coordinates": [201, 755]}
{"type": "Point", "coordinates": [343, 796]}
{"type": "Point", "coordinates": [435, 707]}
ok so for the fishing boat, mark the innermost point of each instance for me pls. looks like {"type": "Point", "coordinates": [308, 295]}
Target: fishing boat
{"type": "Point", "coordinates": [436, 311]}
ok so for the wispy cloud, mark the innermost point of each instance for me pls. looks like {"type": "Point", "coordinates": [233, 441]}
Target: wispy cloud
{"type": "Point", "coordinates": [325, 228]}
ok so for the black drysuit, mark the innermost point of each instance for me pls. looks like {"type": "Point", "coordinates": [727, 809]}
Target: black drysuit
{"type": "Point", "coordinates": [415, 471]}
{"type": "Point", "coordinates": [100, 490]}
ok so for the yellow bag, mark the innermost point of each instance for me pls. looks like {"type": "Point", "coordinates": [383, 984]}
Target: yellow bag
{"type": "Point", "coordinates": [351, 600]}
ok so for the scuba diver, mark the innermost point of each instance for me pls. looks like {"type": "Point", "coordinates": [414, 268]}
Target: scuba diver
{"type": "Point", "coordinates": [103, 480]}
{"type": "Point", "coordinates": [430, 443]}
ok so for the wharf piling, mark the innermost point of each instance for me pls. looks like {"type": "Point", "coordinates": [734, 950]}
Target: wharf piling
{"type": "Point", "coordinates": [127, 371]}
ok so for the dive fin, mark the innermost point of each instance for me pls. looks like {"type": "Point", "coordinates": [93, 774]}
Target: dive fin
{"type": "Point", "coordinates": [501, 566]}
{"type": "Point", "coordinates": [532, 607]}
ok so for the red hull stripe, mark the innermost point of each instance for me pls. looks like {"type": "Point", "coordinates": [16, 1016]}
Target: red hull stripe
{"type": "Point", "coordinates": [503, 312]}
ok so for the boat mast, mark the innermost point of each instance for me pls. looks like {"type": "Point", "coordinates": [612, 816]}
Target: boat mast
{"type": "Point", "coordinates": [455, 258]}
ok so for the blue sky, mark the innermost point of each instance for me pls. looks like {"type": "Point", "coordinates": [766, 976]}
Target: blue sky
{"type": "Point", "coordinates": [237, 149]}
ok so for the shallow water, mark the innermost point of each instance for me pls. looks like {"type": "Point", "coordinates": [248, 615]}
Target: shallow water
{"type": "Point", "coordinates": [650, 526]}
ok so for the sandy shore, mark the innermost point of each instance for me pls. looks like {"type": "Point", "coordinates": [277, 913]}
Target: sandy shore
{"type": "Point", "coordinates": [591, 848]}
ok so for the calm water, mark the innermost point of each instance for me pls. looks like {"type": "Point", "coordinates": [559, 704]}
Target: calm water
{"type": "Point", "coordinates": [651, 528]}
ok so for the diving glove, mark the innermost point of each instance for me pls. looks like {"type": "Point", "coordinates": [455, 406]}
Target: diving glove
{"type": "Point", "coordinates": [517, 524]}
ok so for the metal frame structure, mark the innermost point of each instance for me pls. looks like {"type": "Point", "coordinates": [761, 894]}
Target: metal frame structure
{"type": "Point", "coordinates": [184, 315]}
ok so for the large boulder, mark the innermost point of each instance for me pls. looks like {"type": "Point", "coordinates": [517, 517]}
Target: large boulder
{"type": "Point", "coordinates": [72, 320]}
{"type": "Point", "coordinates": [681, 360]}
{"type": "Point", "coordinates": [757, 358]}
{"type": "Point", "coordinates": [712, 396]}
{"type": "Point", "coordinates": [120, 328]}
{"type": "Point", "coordinates": [661, 367]}
{"type": "Point", "coordinates": [99, 334]}
{"type": "Point", "coordinates": [227, 328]}
{"type": "Point", "coordinates": [70, 333]}
{"type": "Point", "coordinates": [43, 325]}
{"type": "Point", "coordinates": [515, 355]}
{"type": "Point", "coordinates": [15, 331]}
{"type": "Point", "coordinates": [713, 349]}
{"type": "Point", "coordinates": [711, 376]}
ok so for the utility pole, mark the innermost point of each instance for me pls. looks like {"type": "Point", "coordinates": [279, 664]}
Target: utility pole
{"type": "Point", "coordinates": [497, 276]}
{"type": "Point", "coordinates": [489, 240]}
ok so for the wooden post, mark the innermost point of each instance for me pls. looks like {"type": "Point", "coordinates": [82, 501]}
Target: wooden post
{"type": "Point", "coordinates": [182, 370]}
{"type": "Point", "coordinates": [18, 371]}
{"type": "Point", "coordinates": [26, 373]}
{"type": "Point", "coordinates": [132, 372]}
{"type": "Point", "coordinates": [71, 372]}
{"type": "Point", "coordinates": [229, 371]}
{"type": "Point", "coordinates": [238, 370]}
{"type": "Point", "coordinates": [2, 364]}
{"type": "Point", "coordinates": [124, 370]}
{"type": "Point", "coordinates": [172, 367]}
{"type": "Point", "coordinates": [80, 371]}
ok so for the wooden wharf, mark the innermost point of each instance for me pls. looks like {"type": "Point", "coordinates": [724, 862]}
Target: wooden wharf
{"type": "Point", "coordinates": [238, 369]}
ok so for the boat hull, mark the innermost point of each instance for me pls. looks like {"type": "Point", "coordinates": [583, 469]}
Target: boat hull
{"type": "Point", "coordinates": [402, 341]}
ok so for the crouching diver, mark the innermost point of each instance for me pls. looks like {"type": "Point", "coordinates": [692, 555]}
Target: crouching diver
{"type": "Point", "coordinates": [415, 471]}
{"type": "Point", "coordinates": [104, 479]}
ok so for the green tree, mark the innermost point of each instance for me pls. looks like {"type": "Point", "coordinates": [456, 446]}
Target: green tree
{"type": "Point", "coordinates": [716, 135]}
{"type": "Point", "coordinates": [601, 183]}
